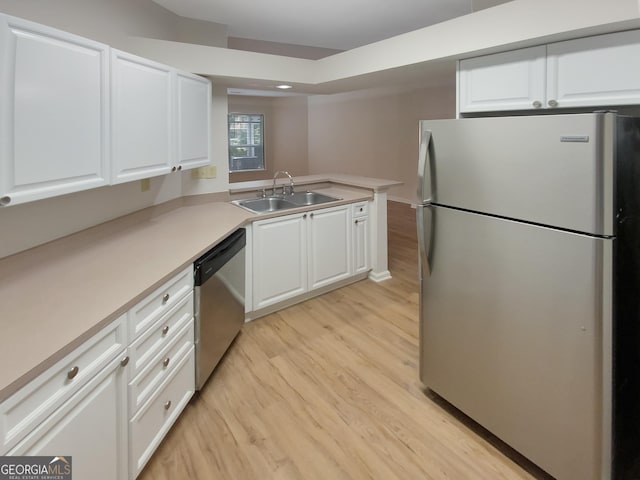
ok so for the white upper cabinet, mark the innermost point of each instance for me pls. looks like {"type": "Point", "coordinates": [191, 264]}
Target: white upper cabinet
{"type": "Point", "coordinates": [504, 81]}
{"type": "Point", "coordinates": [54, 112]}
{"type": "Point", "coordinates": [598, 71]}
{"type": "Point", "coordinates": [75, 114]}
{"type": "Point", "coordinates": [194, 122]}
{"type": "Point", "coordinates": [602, 70]}
{"type": "Point", "coordinates": [142, 117]}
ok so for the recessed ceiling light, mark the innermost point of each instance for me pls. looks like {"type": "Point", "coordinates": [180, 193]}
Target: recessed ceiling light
{"type": "Point", "coordinates": [284, 87]}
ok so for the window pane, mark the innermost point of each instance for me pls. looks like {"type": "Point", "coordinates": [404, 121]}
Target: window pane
{"type": "Point", "coordinates": [246, 148]}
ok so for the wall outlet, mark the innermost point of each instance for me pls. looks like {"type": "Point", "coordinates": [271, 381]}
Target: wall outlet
{"type": "Point", "coordinates": [210, 171]}
{"type": "Point", "coordinates": [145, 184]}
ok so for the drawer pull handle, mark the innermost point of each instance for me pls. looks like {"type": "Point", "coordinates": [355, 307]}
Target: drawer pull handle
{"type": "Point", "coordinates": [537, 104]}
{"type": "Point", "coordinates": [361, 209]}
{"type": "Point", "coordinates": [179, 167]}
{"type": "Point", "coordinates": [165, 298]}
{"type": "Point", "coordinates": [304, 216]}
{"type": "Point", "coordinates": [311, 215]}
{"type": "Point", "coordinates": [167, 405]}
{"type": "Point", "coordinates": [356, 222]}
{"type": "Point", "coordinates": [165, 330]}
{"type": "Point", "coordinates": [72, 373]}
{"type": "Point", "coordinates": [553, 103]}
{"type": "Point", "coordinates": [125, 361]}
{"type": "Point", "coordinates": [166, 361]}
{"type": "Point", "coordinates": [173, 169]}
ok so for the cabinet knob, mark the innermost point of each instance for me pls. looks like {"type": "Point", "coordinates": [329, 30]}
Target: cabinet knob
{"type": "Point", "coordinates": [167, 405]}
{"type": "Point", "coordinates": [165, 329]}
{"type": "Point", "coordinates": [72, 373]}
{"type": "Point", "coordinates": [125, 361]}
{"type": "Point", "coordinates": [553, 103]}
{"type": "Point", "coordinates": [537, 104]}
{"type": "Point", "coordinates": [356, 222]}
{"type": "Point", "coordinates": [361, 209]}
{"type": "Point", "coordinates": [165, 298]}
{"type": "Point", "coordinates": [173, 169]}
{"type": "Point", "coordinates": [304, 216]}
{"type": "Point", "coordinates": [311, 215]}
{"type": "Point", "coordinates": [179, 167]}
{"type": "Point", "coordinates": [166, 361]}
{"type": "Point", "coordinates": [4, 201]}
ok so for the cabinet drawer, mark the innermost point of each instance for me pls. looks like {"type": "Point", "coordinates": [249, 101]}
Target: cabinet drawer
{"type": "Point", "coordinates": [162, 333]}
{"type": "Point", "coordinates": [160, 367]}
{"type": "Point", "coordinates": [154, 420]}
{"type": "Point", "coordinates": [147, 311]}
{"type": "Point", "coordinates": [360, 209]}
{"type": "Point", "coordinates": [27, 408]}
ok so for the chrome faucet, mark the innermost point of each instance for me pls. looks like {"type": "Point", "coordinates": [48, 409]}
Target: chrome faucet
{"type": "Point", "coordinates": [284, 188]}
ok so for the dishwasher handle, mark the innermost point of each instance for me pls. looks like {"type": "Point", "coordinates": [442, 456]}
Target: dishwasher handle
{"type": "Point", "coordinates": [208, 264]}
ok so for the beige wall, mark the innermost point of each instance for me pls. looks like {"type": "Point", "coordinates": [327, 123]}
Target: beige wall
{"type": "Point", "coordinates": [285, 134]}
{"type": "Point", "coordinates": [374, 133]}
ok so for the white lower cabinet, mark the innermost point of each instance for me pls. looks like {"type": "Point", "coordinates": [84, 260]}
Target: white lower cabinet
{"type": "Point", "coordinates": [329, 246]}
{"type": "Point", "coordinates": [360, 239]}
{"type": "Point", "coordinates": [279, 259]}
{"type": "Point", "coordinates": [154, 419]}
{"type": "Point", "coordinates": [90, 427]}
{"type": "Point", "coordinates": [298, 253]}
{"type": "Point", "coordinates": [59, 412]}
{"type": "Point", "coordinates": [109, 403]}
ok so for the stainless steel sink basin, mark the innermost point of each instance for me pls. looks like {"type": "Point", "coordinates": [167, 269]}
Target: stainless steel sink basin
{"type": "Point", "coordinates": [310, 198]}
{"type": "Point", "coordinates": [283, 202]}
{"type": "Point", "coordinates": [268, 204]}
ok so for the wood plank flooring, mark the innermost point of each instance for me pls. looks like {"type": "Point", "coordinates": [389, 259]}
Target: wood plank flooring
{"type": "Point", "coordinates": [329, 389]}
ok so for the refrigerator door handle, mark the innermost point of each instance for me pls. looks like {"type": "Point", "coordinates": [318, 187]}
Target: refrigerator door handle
{"type": "Point", "coordinates": [424, 167]}
{"type": "Point", "coordinates": [424, 217]}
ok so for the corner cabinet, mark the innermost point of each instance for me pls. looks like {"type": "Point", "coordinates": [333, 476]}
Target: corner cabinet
{"type": "Point", "coordinates": [76, 114]}
{"type": "Point", "coordinates": [586, 72]}
{"type": "Point", "coordinates": [294, 255]}
{"type": "Point", "coordinates": [54, 113]}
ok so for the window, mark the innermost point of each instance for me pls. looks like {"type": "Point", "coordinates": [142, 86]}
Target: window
{"type": "Point", "coordinates": [246, 142]}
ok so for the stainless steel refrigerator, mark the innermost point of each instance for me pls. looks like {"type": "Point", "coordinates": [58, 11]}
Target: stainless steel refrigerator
{"type": "Point", "coordinates": [529, 245]}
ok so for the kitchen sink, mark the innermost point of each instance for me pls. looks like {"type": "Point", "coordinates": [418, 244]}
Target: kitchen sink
{"type": "Point", "coordinates": [275, 203]}
{"type": "Point", "coordinates": [309, 198]}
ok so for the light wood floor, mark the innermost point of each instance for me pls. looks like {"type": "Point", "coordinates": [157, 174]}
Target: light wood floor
{"type": "Point", "coordinates": [328, 389]}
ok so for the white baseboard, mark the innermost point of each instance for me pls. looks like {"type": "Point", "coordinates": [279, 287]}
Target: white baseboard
{"type": "Point", "coordinates": [380, 276]}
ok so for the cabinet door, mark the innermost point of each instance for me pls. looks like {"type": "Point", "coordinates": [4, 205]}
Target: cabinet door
{"type": "Point", "coordinates": [329, 246]}
{"type": "Point", "coordinates": [360, 245]}
{"type": "Point", "coordinates": [54, 112]}
{"type": "Point", "coordinates": [505, 81]}
{"type": "Point", "coordinates": [279, 259]}
{"type": "Point", "coordinates": [142, 117]}
{"type": "Point", "coordinates": [91, 428]}
{"type": "Point", "coordinates": [595, 71]}
{"type": "Point", "coordinates": [194, 106]}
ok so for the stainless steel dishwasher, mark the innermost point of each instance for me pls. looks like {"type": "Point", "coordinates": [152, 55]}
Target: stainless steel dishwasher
{"type": "Point", "coordinates": [219, 302]}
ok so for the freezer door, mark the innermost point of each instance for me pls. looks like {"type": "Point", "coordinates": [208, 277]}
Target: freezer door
{"type": "Point", "coordinates": [553, 170]}
{"type": "Point", "coordinates": [515, 331]}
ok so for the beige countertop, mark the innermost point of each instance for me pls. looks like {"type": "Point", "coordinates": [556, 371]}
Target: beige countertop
{"type": "Point", "coordinates": [56, 296]}
{"type": "Point", "coordinates": [375, 184]}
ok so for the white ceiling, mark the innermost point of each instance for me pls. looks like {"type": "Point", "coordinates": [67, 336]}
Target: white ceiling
{"type": "Point", "coordinates": [337, 24]}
